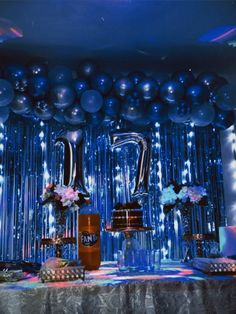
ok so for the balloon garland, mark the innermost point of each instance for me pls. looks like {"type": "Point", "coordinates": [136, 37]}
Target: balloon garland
{"type": "Point", "coordinates": [90, 96]}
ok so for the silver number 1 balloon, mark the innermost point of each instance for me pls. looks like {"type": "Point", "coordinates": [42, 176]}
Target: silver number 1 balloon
{"type": "Point", "coordinates": [142, 173]}
{"type": "Point", "coordinates": [73, 174]}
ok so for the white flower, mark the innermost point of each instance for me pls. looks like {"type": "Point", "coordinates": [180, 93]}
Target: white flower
{"type": "Point", "coordinates": [168, 196]}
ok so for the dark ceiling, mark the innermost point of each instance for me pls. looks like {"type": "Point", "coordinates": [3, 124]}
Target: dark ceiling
{"type": "Point", "coordinates": [156, 35]}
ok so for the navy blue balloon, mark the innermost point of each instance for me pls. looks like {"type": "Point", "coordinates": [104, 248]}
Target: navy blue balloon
{"type": "Point", "coordinates": [59, 116]}
{"type": "Point", "coordinates": [223, 119]}
{"type": "Point", "coordinates": [111, 106]}
{"type": "Point", "coordinates": [202, 114]}
{"type": "Point", "coordinates": [44, 110]}
{"type": "Point", "coordinates": [15, 72]}
{"type": "Point", "coordinates": [184, 77]}
{"type": "Point", "coordinates": [123, 86]}
{"type": "Point", "coordinates": [180, 112]}
{"type": "Point", "coordinates": [21, 104]}
{"type": "Point", "coordinates": [91, 101]}
{"type": "Point", "coordinates": [132, 108]}
{"type": "Point", "coordinates": [148, 88]}
{"type": "Point", "coordinates": [87, 69]}
{"type": "Point", "coordinates": [136, 77]}
{"type": "Point", "coordinates": [208, 79]}
{"type": "Point", "coordinates": [158, 112]}
{"type": "Point", "coordinates": [197, 93]}
{"type": "Point", "coordinates": [37, 69]}
{"type": "Point", "coordinates": [161, 78]}
{"type": "Point", "coordinates": [4, 114]}
{"type": "Point", "coordinates": [102, 82]}
{"type": "Point", "coordinates": [75, 115]}
{"type": "Point", "coordinates": [6, 93]}
{"type": "Point", "coordinates": [38, 86]}
{"type": "Point", "coordinates": [172, 92]}
{"type": "Point", "coordinates": [95, 119]}
{"type": "Point", "coordinates": [225, 97]}
{"type": "Point", "coordinates": [60, 74]}
{"type": "Point", "coordinates": [80, 85]}
{"type": "Point", "coordinates": [143, 121]}
{"type": "Point", "coordinates": [17, 75]}
{"type": "Point", "coordinates": [221, 82]}
{"type": "Point", "coordinates": [62, 96]}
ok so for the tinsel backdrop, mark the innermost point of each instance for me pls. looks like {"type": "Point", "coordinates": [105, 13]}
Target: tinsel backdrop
{"type": "Point", "coordinates": [29, 160]}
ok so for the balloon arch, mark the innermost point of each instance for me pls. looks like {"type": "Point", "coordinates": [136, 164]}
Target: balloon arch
{"type": "Point", "coordinates": [89, 96]}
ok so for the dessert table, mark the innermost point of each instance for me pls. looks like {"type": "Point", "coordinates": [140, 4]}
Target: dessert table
{"type": "Point", "coordinates": [176, 288]}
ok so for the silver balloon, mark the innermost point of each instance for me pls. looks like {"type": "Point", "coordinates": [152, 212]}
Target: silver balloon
{"type": "Point", "coordinates": [73, 174]}
{"type": "Point", "coordinates": [142, 173]}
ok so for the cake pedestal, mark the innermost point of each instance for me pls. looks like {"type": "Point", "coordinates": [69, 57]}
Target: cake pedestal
{"type": "Point", "coordinates": [131, 246]}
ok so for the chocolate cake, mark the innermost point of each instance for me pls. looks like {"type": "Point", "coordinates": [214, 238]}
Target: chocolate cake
{"type": "Point", "coordinates": [128, 215]}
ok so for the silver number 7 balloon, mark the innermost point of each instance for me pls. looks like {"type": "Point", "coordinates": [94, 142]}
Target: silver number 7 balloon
{"type": "Point", "coordinates": [142, 173]}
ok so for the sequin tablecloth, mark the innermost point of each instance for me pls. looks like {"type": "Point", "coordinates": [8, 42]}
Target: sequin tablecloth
{"type": "Point", "coordinates": [176, 289]}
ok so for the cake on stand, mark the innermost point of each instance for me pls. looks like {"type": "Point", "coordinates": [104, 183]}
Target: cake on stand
{"type": "Point", "coordinates": [128, 219]}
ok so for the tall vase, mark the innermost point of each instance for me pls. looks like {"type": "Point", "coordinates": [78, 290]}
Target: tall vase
{"type": "Point", "coordinates": [60, 218]}
{"type": "Point", "coordinates": [186, 216]}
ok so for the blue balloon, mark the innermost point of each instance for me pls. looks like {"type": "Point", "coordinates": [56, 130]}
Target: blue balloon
{"type": "Point", "coordinates": [15, 72]}
{"type": "Point", "coordinates": [111, 106]}
{"type": "Point", "coordinates": [158, 112]}
{"type": "Point", "coordinates": [184, 77]}
{"type": "Point", "coordinates": [132, 109]}
{"type": "Point", "coordinates": [75, 115]}
{"type": "Point", "coordinates": [91, 101]}
{"type": "Point", "coordinates": [197, 93]}
{"type": "Point", "coordinates": [161, 78]}
{"type": "Point", "coordinates": [225, 97]}
{"type": "Point", "coordinates": [180, 112]}
{"type": "Point", "coordinates": [80, 85]}
{"type": "Point", "coordinates": [87, 69]}
{"type": "Point", "coordinates": [21, 104]}
{"type": "Point", "coordinates": [102, 82]}
{"type": "Point", "coordinates": [123, 86]}
{"type": "Point", "coordinates": [136, 77]}
{"type": "Point", "coordinates": [62, 96]}
{"type": "Point", "coordinates": [17, 75]}
{"type": "Point", "coordinates": [148, 88]}
{"type": "Point", "coordinates": [220, 82]}
{"type": "Point", "coordinates": [59, 116]}
{"type": "Point", "coordinates": [172, 92]}
{"type": "Point", "coordinates": [223, 119]}
{"type": "Point", "coordinates": [6, 93]}
{"type": "Point", "coordinates": [143, 121]}
{"type": "Point", "coordinates": [208, 79]}
{"type": "Point", "coordinates": [95, 119]}
{"type": "Point", "coordinates": [4, 114]}
{"type": "Point", "coordinates": [44, 110]}
{"type": "Point", "coordinates": [38, 86]}
{"type": "Point", "coordinates": [202, 114]}
{"type": "Point", "coordinates": [37, 69]}
{"type": "Point", "coordinates": [60, 74]}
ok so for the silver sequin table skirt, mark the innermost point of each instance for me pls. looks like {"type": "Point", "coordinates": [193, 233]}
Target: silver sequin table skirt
{"type": "Point", "coordinates": [176, 289]}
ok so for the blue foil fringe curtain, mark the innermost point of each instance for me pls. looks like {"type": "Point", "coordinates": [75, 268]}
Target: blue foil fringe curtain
{"type": "Point", "coordinates": [28, 161]}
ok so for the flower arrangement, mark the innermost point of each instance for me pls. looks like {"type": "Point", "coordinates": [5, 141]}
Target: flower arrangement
{"type": "Point", "coordinates": [176, 194]}
{"type": "Point", "coordinates": [62, 196]}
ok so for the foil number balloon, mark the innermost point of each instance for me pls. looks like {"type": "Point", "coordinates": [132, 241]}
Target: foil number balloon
{"type": "Point", "coordinates": [142, 173]}
{"type": "Point", "coordinates": [73, 174]}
